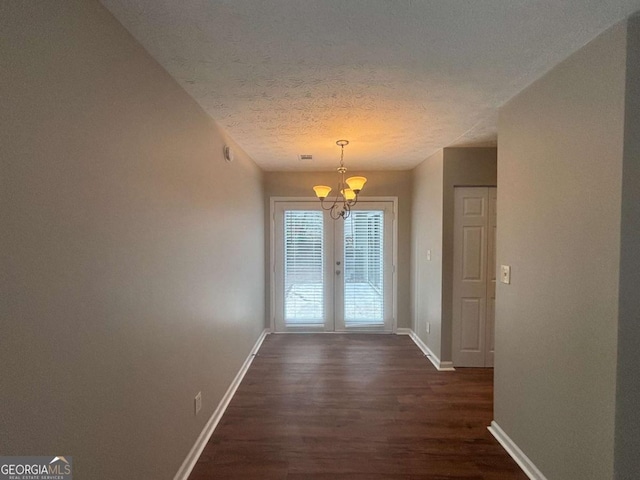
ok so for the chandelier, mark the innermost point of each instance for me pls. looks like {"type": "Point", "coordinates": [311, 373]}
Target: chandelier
{"type": "Point", "coordinates": [348, 190]}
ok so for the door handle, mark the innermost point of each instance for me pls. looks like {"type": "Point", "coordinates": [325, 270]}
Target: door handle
{"type": "Point", "coordinates": [337, 272]}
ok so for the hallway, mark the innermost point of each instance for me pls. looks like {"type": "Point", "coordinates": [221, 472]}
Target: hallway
{"type": "Point", "coordinates": [327, 406]}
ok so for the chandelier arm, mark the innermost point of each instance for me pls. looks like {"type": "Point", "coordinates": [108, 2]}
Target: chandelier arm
{"type": "Point", "coordinates": [335, 202]}
{"type": "Point", "coordinates": [322, 204]}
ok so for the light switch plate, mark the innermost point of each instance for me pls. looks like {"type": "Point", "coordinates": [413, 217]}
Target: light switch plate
{"type": "Point", "coordinates": [197, 403]}
{"type": "Point", "coordinates": [505, 274]}
{"type": "Point", "coordinates": [429, 255]}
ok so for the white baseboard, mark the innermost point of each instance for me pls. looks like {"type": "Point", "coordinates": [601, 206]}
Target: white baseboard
{"type": "Point", "coordinates": [198, 447]}
{"type": "Point", "coordinates": [518, 455]}
{"type": "Point", "coordinates": [440, 366]}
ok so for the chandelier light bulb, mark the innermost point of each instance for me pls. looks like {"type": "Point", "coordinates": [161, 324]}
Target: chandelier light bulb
{"type": "Point", "coordinates": [356, 183]}
{"type": "Point", "coordinates": [348, 194]}
{"type": "Point", "coordinates": [322, 191]}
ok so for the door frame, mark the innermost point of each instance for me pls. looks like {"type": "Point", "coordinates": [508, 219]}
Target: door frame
{"type": "Point", "coordinates": [314, 201]}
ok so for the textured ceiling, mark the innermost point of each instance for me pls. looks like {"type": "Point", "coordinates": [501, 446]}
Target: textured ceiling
{"type": "Point", "coordinates": [399, 79]}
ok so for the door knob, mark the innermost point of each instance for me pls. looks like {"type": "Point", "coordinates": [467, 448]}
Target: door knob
{"type": "Point", "coordinates": [337, 272]}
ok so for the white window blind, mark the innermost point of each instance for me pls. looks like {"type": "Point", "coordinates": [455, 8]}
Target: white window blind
{"type": "Point", "coordinates": [363, 269]}
{"type": "Point", "coordinates": [303, 268]}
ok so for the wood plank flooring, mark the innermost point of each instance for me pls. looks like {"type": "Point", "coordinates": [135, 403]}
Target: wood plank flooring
{"type": "Point", "coordinates": [357, 407]}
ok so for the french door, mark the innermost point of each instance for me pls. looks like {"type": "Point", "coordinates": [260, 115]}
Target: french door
{"type": "Point", "coordinates": [333, 275]}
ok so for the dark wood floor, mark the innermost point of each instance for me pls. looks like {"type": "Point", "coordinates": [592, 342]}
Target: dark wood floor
{"type": "Point", "coordinates": [357, 407]}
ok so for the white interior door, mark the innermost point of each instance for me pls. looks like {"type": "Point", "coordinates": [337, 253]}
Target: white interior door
{"type": "Point", "coordinates": [333, 275]}
{"type": "Point", "coordinates": [474, 276]}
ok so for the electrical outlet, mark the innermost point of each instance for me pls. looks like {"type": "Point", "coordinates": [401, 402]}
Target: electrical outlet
{"type": "Point", "coordinates": [505, 274]}
{"type": "Point", "coordinates": [428, 327]}
{"type": "Point", "coordinates": [428, 255]}
{"type": "Point", "coordinates": [197, 403]}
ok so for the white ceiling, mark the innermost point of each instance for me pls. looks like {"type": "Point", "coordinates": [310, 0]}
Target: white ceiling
{"type": "Point", "coordinates": [400, 79]}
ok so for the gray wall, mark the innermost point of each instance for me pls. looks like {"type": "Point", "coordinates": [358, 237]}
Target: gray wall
{"type": "Point", "coordinates": [627, 439]}
{"type": "Point", "coordinates": [426, 234]}
{"type": "Point", "coordinates": [133, 255]}
{"type": "Point", "coordinates": [463, 167]}
{"type": "Point", "coordinates": [379, 184]}
{"type": "Point", "coordinates": [432, 229]}
{"type": "Point", "coordinates": [559, 198]}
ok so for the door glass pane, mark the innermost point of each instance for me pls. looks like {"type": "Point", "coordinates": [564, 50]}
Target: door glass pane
{"type": "Point", "coordinates": [303, 268]}
{"type": "Point", "coordinates": [364, 269]}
